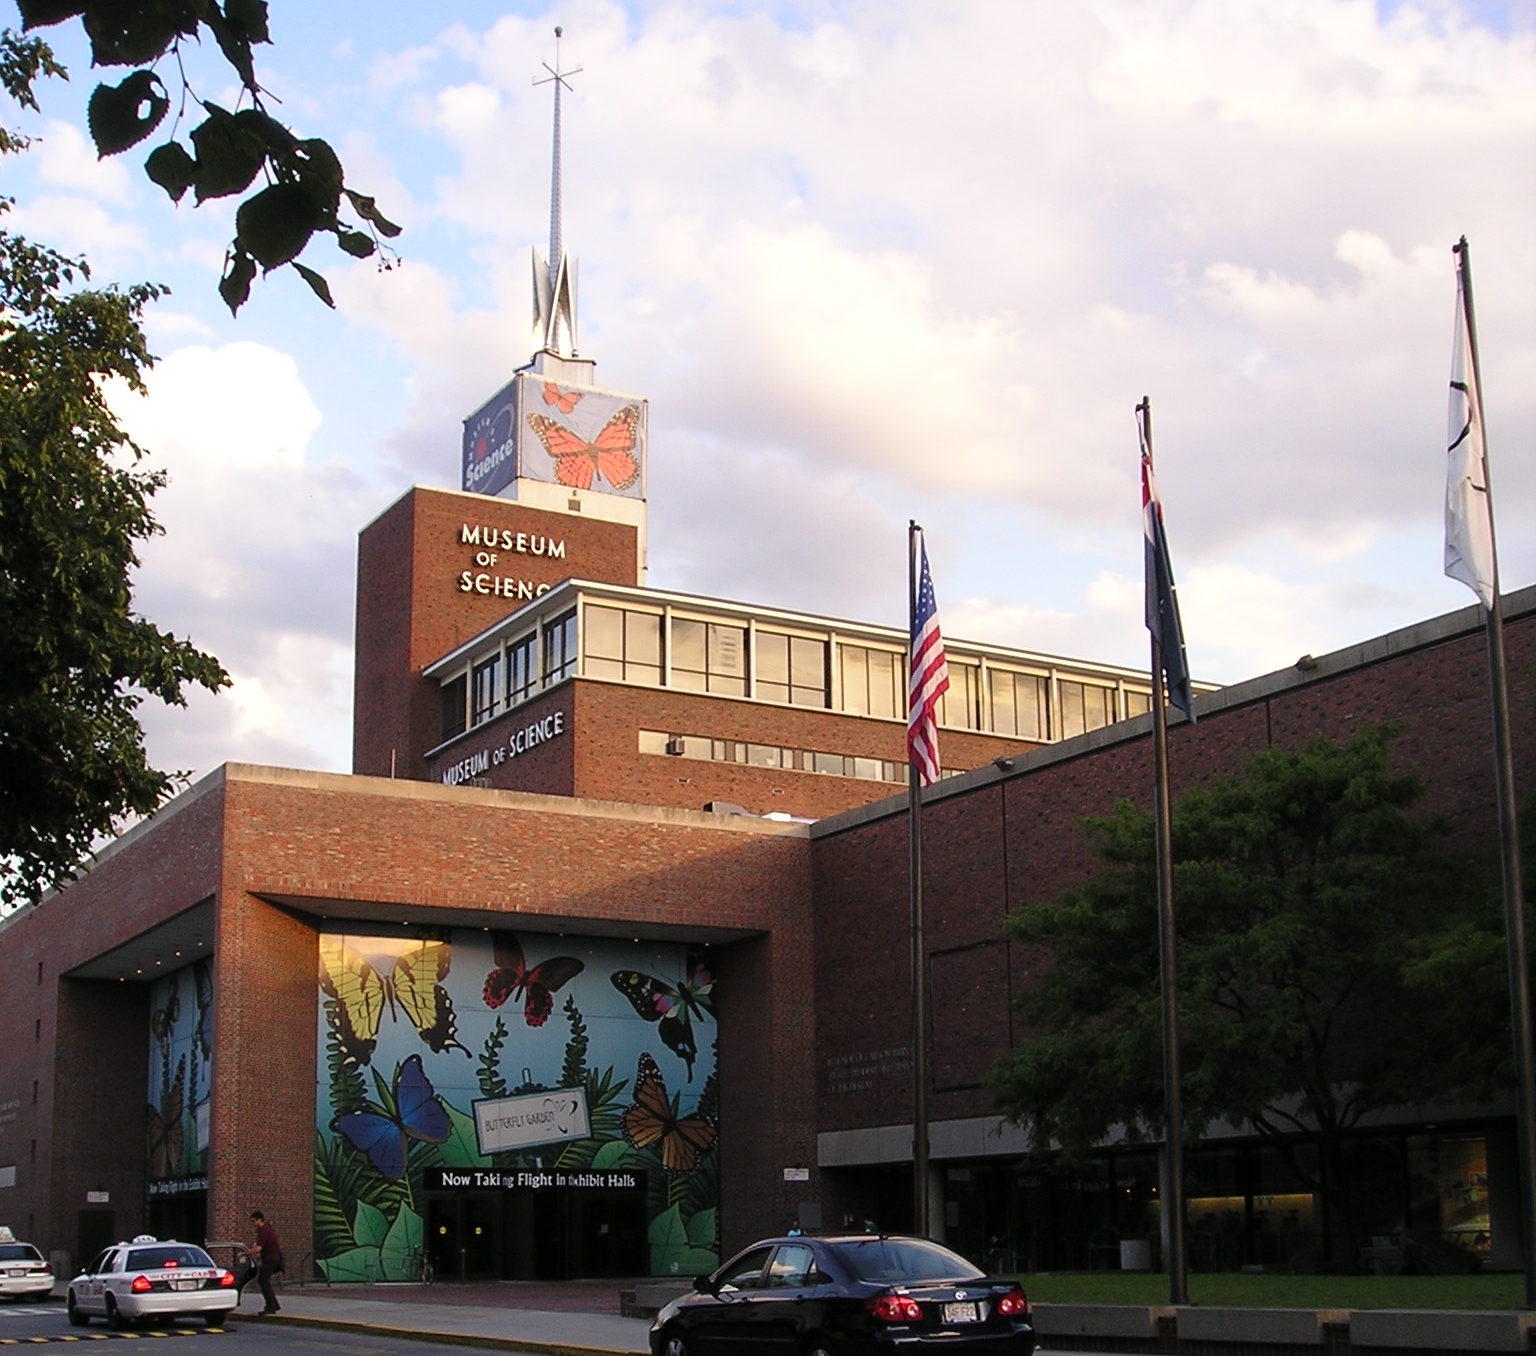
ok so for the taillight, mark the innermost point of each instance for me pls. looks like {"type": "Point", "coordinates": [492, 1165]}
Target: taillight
{"type": "Point", "coordinates": [140, 1285]}
{"type": "Point", "coordinates": [890, 1308]}
{"type": "Point", "coordinates": [226, 1279]}
{"type": "Point", "coordinates": [1013, 1304]}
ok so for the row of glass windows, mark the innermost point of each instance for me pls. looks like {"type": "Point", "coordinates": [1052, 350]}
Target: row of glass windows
{"type": "Point", "coordinates": [772, 756]}
{"type": "Point", "coordinates": [631, 646]}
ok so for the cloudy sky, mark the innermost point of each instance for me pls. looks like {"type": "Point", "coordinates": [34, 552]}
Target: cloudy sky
{"type": "Point", "coordinates": [868, 262]}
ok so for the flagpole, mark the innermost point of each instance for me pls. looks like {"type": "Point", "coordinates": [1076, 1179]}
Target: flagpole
{"type": "Point", "coordinates": [1509, 832]}
{"type": "Point", "coordinates": [920, 1220]}
{"type": "Point", "coordinates": [1173, 1099]}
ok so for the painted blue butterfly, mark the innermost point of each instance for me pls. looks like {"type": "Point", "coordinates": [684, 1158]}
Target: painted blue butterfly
{"type": "Point", "coordinates": [417, 1115]}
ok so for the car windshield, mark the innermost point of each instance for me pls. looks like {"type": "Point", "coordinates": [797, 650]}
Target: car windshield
{"type": "Point", "coordinates": [19, 1252]}
{"type": "Point", "coordinates": [893, 1261]}
{"type": "Point", "coordinates": [167, 1255]}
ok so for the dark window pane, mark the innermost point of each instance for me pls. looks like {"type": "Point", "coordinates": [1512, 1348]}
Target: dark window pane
{"type": "Point", "coordinates": [453, 707]}
{"type": "Point", "coordinates": [485, 690]}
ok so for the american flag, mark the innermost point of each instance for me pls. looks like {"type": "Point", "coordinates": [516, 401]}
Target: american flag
{"type": "Point", "coordinates": [928, 678]}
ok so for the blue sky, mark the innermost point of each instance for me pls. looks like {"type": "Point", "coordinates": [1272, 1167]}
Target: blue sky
{"type": "Point", "coordinates": [868, 262]}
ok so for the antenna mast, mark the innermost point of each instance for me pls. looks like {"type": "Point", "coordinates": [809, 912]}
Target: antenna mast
{"type": "Point", "coordinates": [555, 282]}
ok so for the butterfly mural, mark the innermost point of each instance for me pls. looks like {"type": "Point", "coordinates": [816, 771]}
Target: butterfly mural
{"type": "Point", "coordinates": [610, 456]}
{"type": "Point", "coordinates": [653, 1120]}
{"type": "Point", "coordinates": [411, 984]}
{"type": "Point", "coordinates": [163, 1019]}
{"type": "Point", "coordinates": [416, 1114]}
{"type": "Point", "coordinates": [672, 1006]}
{"type": "Point", "coordinates": [202, 984]}
{"type": "Point", "coordinates": [536, 987]}
{"type": "Point", "coordinates": [167, 1134]}
{"type": "Point", "coordinates": [566, 400]}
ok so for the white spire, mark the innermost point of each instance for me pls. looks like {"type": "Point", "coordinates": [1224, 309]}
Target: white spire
{"type": "Point", "coordinates": [554, 280]}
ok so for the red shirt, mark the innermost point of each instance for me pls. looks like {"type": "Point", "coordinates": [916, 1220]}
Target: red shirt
{"type": "Point", "coordinates": [266, 1242]}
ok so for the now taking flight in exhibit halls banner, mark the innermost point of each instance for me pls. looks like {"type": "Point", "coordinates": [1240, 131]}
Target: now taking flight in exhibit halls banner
{"type": "Point", "coordinates": [516, 1063]}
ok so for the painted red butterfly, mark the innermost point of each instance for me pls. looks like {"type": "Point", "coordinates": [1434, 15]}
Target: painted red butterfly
{"type": "Point", "coordinates": [610, 455]}
{"type": "Point", "coordinates": [566, 400]}
{"type": "Point", "coordinates": [513, 979]}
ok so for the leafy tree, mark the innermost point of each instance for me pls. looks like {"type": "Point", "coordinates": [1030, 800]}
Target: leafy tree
{"type": "Point", "coordinates": [73, 506]}
{"type": "Point", "coordinates": [225, 153]}
{"type": "Point", "coordinates": [1305, 892]}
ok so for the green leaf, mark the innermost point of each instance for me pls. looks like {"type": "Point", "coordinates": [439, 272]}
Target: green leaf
{"type": "Point", "coordinates": [356, 1264]}
{"type": "Point", "coordinates": [369, 1227]}
{"type": "Point", "coordinates": [44, 13]}
{"type": "Point", "coordinates": [122, 115]}
{"type": "Point", "coordinates": [235, 285]}
{"type": "Point", "coordinates": [249, 17]}
{"type": "Point", "coordinates": [460, 1149]}
{"type": "Point", "coordinates": [317, 283]}
{"type": "Point", "coordinates": [355, 243]}
{"type": "Point", "coordinates": [276, 224]}
{"type": "Point", "coordinates": [403, 1240]}
{"type": "Point", "coordinates": [701, 1229]}
{"type": "Point", "coordinates": [130, 34]}
{"type": "Point", "coordinates": [368, 210]}
{"type": "Point", "coordinates": [617, 1154]}
{"type": "Point", "coordinates": [231, 149]}
{"type": "Point", "coordinates": [172, 168]}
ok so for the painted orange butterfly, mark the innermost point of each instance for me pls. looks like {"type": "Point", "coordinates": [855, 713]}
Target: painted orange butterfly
{"type": "Point", "coordinates": [610, 455]}
{"type": "Point", "coordinates": [653, 1119]}
{"type": "Point", "coordinates": [566, 400]}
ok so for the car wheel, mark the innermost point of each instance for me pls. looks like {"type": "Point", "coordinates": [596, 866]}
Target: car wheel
{"type": "Point", "coordinates": [78, 1318]}
{"type": "Point", "coordinates": [674, 1343]}
{"type": "Point", "coordinates": [114, 1319]}
{"type": "Point", "coordinates": [818, 1346]}
{"type": "Point", "coordinates": [215, 1320]}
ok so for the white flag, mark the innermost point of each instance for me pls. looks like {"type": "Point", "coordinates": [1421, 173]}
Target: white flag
{"type": "Point", "coordinates": [1468, 520]}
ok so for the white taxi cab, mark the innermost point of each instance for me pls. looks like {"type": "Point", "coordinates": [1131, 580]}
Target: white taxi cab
{"type": "Point", "coordinates": [152, 1278]}
{"type": "Point", "coordinates": [23, 1272]}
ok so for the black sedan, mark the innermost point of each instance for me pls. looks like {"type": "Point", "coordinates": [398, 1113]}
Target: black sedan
{"type": "Point", "coordinates": [859, 1295]}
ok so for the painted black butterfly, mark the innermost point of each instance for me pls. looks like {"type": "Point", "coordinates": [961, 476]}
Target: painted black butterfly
{"type": "Point", "coordinates": [673, 1006]}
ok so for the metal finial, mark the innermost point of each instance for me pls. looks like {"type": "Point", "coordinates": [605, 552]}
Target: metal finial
{"type": "Point", "coordinates": [557, 78]}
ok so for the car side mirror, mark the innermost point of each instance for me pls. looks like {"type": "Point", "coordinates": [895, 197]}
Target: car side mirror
{"type": "Point", "coordinates": [703, 1285]}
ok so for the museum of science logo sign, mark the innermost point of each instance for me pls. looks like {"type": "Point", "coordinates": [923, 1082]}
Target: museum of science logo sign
{"type": "Point", "coordinates": [519, 742]}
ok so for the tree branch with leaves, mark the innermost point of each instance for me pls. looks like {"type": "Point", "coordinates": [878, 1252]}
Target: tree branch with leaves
{"type": "Point", "coordinates": [226, 151]}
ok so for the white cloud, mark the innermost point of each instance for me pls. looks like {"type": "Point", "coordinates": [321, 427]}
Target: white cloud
{"type": "Point", "coordinates": [66, 159]}
{"type": "Point", "coordinates": [75, 225]}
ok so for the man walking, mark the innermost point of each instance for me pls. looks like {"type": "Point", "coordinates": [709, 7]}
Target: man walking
{"type": "Point", "coordinates": [270, 1252]}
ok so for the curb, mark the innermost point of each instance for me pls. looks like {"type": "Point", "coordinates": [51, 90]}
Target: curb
{"type": "Point", "coordinates": [441, 1338]}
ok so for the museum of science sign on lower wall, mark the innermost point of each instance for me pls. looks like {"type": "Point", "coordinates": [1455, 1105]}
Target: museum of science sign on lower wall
{"type": "Point", "coordinates": [520, 741]}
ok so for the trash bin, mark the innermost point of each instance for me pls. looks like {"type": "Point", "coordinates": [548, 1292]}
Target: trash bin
{"type": "Point", "coordinates": [1135, 1254]}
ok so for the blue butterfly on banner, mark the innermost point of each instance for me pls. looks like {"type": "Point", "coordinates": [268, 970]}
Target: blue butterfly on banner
{"type": "Point", "coordinates": [383, 1136]}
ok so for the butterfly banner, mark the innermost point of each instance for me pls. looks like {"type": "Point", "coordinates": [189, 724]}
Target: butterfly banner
{"type": "Point", "coordinates": [180, 1075]}
{"type": "Point", "coordinates": [581, 438]}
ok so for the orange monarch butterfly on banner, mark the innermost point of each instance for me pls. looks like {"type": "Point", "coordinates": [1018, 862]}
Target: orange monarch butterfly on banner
{"type": "Point", "coordinates": [610, 456]}
{"type": "Point", "coordinates": [680, 1140]}
{"type": "Point", "coordinates": [566, 400]}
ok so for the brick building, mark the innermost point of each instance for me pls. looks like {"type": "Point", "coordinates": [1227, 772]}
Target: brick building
{"type": "Point", "coordinates": [596, 962]}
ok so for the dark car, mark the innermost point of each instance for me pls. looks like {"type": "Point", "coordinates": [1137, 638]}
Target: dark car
{"type": "Point", "coordinates": [859, 1295]}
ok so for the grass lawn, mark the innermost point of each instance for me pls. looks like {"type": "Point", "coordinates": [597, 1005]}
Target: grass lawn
{"type": "Point", "coordinates": [1244, 1291]}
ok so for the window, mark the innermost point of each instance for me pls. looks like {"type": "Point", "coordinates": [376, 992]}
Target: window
{"type": "Point", "coordinates": [746, 1272]}
{"type": "Point", "coordinates": [872, 681]}
{"type": "Point", "coordinates": [709, 657]}
{"type": "Point", "coordinates": [1085, 706]}
{"type": "Point", "coordinates": [960, 707]}
{"type": "Point", "coordinates": [453, 707]}
{"type": "Point", "coordinates": [791, 669]}
{"type": "Point", "coordinates": [1137, 703]}
{"type": "Point", "coordinates": [623, 644]}
{"type": "Point", "coordinates": [485, 690]}
{"type": "Point", "coordinates": [560, 648]}
{"type": "Point", "coordinates": [791, 1267]}
{"type": "Point", "coordinates": [522, 668]}
{"type": "Point", "coordinates": [1020, 705]}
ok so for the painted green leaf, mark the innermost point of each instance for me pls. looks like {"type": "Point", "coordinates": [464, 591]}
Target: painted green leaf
{"type": "Point", "coordinates": [460, 1149]}
{"type": "Point", "coordinates": [403, 1241]}
{"type": "Point", "coordinates": [701, 1230]}
{"type": "Point", "coordinates": [369, 1226]}
{"type": "Point", "coordinates": [616, 1154]}
{"type": "Point", "coordinates": [357, 1264]}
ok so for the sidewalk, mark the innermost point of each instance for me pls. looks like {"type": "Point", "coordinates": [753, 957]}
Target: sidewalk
{"type": "Point", "coordinates": [573, 1319]}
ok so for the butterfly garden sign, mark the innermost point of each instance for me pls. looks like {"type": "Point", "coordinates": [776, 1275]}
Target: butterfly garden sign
{"type": "Point", "coordinates": [527, 1061]}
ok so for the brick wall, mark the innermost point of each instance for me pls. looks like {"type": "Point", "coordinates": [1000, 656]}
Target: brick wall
{"type": "Point", "coordinates": [1019, 839]}
{"type": "Point", "coordinates": [412, 607]}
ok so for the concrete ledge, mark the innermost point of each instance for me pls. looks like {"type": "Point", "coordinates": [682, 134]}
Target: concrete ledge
{"type": "Point", "coordinates": [1121, 1321]}
{"type": "Point", "coordinates": [1450, 1330]}
{"type": "Point", "coordinates": [1267, 1327]}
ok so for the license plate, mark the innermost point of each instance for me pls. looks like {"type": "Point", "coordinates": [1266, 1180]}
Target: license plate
{"type": "Point", "coordinates": [185, 1285]}
{"type": "Point", "coordinates": [961, 1313]}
